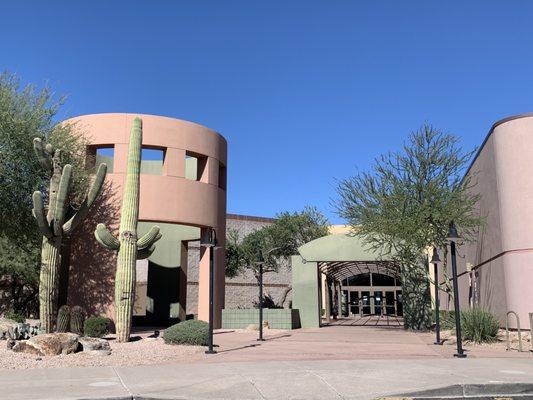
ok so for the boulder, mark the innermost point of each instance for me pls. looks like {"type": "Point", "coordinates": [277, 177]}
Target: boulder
{"type": "Point", "coordinates": [94, 344]}
{"type": "Point", "coordinates": [23, 347]}
{"type": "Point", "coordinates": [49, 344]}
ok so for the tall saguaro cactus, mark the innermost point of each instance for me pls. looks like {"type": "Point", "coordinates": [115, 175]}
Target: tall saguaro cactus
{"type": "Point", "coordinates": [130, 249]}
{"type": "Point", "coordinates": [56, 223]}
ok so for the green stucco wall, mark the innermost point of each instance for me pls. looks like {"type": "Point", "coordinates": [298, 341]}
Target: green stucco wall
{"type": "Point", "coordinates": [305, 294]}
{"type": "Point", "coordinates": [277, 318]}
{"type": "Point", "coordinates": [168, 249]}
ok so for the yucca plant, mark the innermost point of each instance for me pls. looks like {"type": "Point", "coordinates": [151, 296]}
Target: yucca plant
{"type": "Point", "coordinates": [479, 326]}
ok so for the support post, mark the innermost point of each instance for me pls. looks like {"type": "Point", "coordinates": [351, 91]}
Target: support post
{"type": "Point", "coordinates": [460, 352]}
{"type": "Point", "coordinates": [438, 341]}
{"type": "Point", "coordinates": [260, 339]}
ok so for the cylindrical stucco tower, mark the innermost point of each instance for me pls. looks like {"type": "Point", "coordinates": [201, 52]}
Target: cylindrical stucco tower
{"type": "Point", "coordinates": [182, 185]}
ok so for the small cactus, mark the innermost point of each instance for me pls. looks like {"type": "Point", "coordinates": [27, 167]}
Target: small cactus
{"type": "Point", "coordinates": [77, 319]}
{"type": "Point", "coordinates": [63, 319]}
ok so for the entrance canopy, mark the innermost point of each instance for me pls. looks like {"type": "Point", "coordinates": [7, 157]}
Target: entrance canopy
{"type": "Point", "coordinates": [337, 257]}
{"type": "Point", "coordinates": [341, 256]}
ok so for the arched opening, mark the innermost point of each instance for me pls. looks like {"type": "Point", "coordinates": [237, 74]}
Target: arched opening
{"type": "Point", "coordinates": [371, 293]}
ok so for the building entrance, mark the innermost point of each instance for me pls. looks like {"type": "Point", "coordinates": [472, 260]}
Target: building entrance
{"type": "Point", "coordinates": [371, 294]}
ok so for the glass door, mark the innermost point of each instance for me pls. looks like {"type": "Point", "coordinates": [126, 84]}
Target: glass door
{"type": "Point", "coordinates": [354, 303]}
{"type": "Point", "coordinates": [378, 302]}
{"type": "Point", "coordinates": [365, 298]}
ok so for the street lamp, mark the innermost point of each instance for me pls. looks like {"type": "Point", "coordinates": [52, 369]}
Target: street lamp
{"type": "Point", "coordinates": [435, 260]}
{"type": "Point", "coordinates": [452, 238]}
{"type": "Point", "coordinates": [209, 241]}
{"type": "Point", "coordinates": [260, 261]}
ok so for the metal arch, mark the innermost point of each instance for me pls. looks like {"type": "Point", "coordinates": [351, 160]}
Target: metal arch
{"type": "Point", "coordinates": [345, 269]}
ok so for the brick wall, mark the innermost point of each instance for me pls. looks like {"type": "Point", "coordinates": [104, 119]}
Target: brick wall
{"type": "Point", "coordinates": [241, 291]}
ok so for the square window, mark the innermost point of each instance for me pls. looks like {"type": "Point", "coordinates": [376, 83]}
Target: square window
{"type": "Point", "coordinates": [152, 160]}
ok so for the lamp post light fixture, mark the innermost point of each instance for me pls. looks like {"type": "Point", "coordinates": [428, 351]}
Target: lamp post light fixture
{"type": "Point", "coordinates": [260, 262]}
{"type": "Point", "coordinates": [452, 238]}
{"type": "Point", "coordinates": [209, 241]}
{"type": "Point", "coordinates": [435, 260]}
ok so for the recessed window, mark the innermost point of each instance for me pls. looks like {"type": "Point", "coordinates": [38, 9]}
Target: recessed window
{"type": "Point", "coordinates": [222, 179]}
{"type": "Point", "coordinates": [195, 167]}
{"type": "Point", "coordinates": [97, 155]}
{"type": "Point", "coordinates": [152, 161]}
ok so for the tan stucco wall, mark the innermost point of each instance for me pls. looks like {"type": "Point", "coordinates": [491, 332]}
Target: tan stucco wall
{"type": "Point", "coordinates": [503, 251]}
{"type": "Point", "coordinates": [170, 198]}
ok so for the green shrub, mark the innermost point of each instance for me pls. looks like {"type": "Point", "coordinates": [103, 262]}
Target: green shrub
{"type": "Point", "coordinates": [97, 326]}
{"type": "Point", "coordinates": [447, 319]}
{"type": "Point", "coordinates": [193, 332]}
{"type": "Point", "coordinates": [15, 316]}
{"type": "Point", "coordinates": [479, 325]}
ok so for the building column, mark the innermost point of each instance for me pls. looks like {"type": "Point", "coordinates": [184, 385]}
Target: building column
{"type": "Point", "coordinates": [339, 297]}
{"type": "Point", "coordinates": [219, 281]}
{"type": "Point", "coordinates": [327, 299]}
{"type": "Point", "coordinates": [306, 283]}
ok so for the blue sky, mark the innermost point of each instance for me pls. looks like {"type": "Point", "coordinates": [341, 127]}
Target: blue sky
{"type": "Point", "coordinates": [306, 92]}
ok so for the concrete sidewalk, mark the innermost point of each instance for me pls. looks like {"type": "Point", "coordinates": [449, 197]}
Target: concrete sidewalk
{"type": "Point", "coordinates": [325, 379]}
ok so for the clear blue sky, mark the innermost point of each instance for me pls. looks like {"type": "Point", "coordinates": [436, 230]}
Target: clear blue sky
{"type": "Point", "coordinates": [305, 92]}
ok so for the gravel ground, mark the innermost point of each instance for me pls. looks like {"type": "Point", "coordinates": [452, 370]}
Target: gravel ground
{"type": "Point", "coordinates": [139, 352]}
{"type": "Point", "coordinates": [499, 344]}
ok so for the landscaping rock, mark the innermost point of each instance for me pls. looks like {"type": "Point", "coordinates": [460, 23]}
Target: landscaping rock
{"type": "Point", "coordinates": [94, 344]}
{"type": "Point", "coordinates": [49, 344]}
{"type": "Point", "coordinates": [23, 347]}
{"type": "Point", "coordinates": [5, 325]}
{"type": "Point", "coordinates": [98, 352]}
{"type": "Point", "coordinates": [10, 343]}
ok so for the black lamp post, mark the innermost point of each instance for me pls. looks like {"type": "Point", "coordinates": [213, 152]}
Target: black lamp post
{"type": "Point", "coordinates": [452, 237]}
{"type": "Point", "coordinates": [260, 262]}
{"type": "Point", "coordinates": [435, 260]}
{"type": "Point", "coordinates": [209, 241]}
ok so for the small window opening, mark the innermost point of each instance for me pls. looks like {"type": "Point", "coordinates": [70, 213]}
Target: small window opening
{"type": "Point", "coordinates": [97, 155]}
{"type": "Point", "coordinates": [195, 167]}
{"type": "Point", "coordinates": [222, 177]}
{"type": "Point", "coordinates": [152, 161]}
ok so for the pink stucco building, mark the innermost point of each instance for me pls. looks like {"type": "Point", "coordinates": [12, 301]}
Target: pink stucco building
{"type": "Point", "coordinates": [182, 189]}
{"type": "Point", "coordinates": [496, 271]}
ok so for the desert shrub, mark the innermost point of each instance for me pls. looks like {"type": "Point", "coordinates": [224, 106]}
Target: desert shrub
{"type": "Point", "coordinates": [97, 326]}
{"type": "Point", "coordinates": [479, 325]}
{"type": "Point", "coordinates": [15, 316]}
{"type": "Point", "coordinates": [193, 332]}
{"type": "Point", "coordinates": [447, 319]}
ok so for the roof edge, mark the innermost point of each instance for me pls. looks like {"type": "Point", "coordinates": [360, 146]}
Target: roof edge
{"type": "Point", "coordinates": [494, 126]}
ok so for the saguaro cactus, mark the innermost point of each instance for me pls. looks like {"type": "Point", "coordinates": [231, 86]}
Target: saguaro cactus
{"type": "Point", "coordinates": [53, 226]}
{"type": "Point", "coordinates": [129, 248]}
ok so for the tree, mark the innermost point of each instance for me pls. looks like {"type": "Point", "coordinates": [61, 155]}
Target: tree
{"type": "Point", "coordinates": [404, 205]}
{"type": "Point", "coordinates": [276, 242]}
{"type": "Point", "coordinates": [26, 113]}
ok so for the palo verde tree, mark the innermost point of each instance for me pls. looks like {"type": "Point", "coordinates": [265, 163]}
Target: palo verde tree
{"type": "Point", "coordinates": [276, 242]}
{"type": "Point", "coordinates": [25, 113]}
{"type": "Point", "coordinates": [404, 205]}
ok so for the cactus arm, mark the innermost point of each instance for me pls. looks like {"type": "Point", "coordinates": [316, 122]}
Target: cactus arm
{"type": "Point", "coordinates": [149, 238]}
{"type": "Point", "coordinates": [61, 200]}
{"type": "Point", "coordinates": [145, 253]}
{"type": "Point", "coordinates": [42, 154]}
{"type": "Point", "coordinates": [40, 216]}
{"type": "Point", "coordinates": [94, 191]}
{"type": "Point", "coordinates": [105, 238]}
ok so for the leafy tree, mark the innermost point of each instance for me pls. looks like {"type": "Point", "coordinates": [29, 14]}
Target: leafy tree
{"type": "Point", "coordinates": [405, 204]}
{"type": "Point", "coordinates": [276, 242]}
{"type": "Point", "coordinates": [26, 113]}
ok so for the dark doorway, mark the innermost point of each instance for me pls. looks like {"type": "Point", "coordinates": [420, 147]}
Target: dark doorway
{"type": "Point", "coordinates": [163, 289]}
